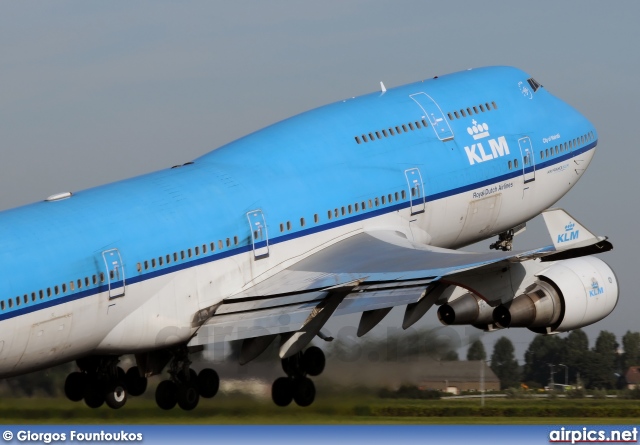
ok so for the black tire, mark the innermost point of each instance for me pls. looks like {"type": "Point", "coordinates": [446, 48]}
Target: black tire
{"type": "Point", "coordinates": [188, 396]}
{"type": "Point", "coordinates": [208, 383]}
{"type": "Point", "coordinates": [166, 395]}
{"type": "Point", "coordinates": [136, 384]}
{"type": "Point", "coordinates": [282, 391]}
{"type": "Point", "coordinates": [115, 395]}
{"type": "Point", "coordinates": [291, 365]}
{"type": "Point", "coordinates": [304, 391]}
{"type": "Point", "coordinates": [74, 386]}
{"type": "Point", "coordinates": [93, 392]}
{"type": "Point", "coordinates": [313, 361]}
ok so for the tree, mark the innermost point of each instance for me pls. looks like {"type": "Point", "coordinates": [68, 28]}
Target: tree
{"type": "Point", "coordinates": [545, 352]}
{"type": "Point", "coordinates": [476, 351]}
{"type": "Point", "coordinates": [603, 362]}
{"type": "Point", "coordinates": [576, 354]}
{"type": "Point", "coordinates": [504, 364]}
{"type": "Point", "coordinates": [631, 346]}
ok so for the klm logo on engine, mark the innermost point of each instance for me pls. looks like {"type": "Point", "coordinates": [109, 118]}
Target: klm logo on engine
{"type": "Point", "coordinates": [569, 234]}
{"type": "Point", "coordinates": [596, 289]}
{"type": "Point", "coordinates": [477, 153]}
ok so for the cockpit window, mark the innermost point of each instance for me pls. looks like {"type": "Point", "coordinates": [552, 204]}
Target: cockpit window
{"type": "Point", "coordinates": [534, 84]}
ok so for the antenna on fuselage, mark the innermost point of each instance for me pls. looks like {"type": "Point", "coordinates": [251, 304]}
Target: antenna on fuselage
{"type": "Point", "coordinates": [382, 87]}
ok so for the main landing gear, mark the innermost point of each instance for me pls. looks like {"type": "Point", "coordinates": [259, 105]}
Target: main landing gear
{"type": "Point", "coordinates": [100, 380]}
{"type": "Point", "coordinates": [185, 387]}
{"type": "Point", "coordinates": [297, 386]}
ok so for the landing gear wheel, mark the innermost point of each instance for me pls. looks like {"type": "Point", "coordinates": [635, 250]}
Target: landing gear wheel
{"type": "Point", "coordinates": [208, 383]}
{"type": "Point", "coordinates": [116, 395]}
{"type": "Point", "coordinates": [188, 396]}
{"type": "Point", "coordinates": [136, 385]}
{"type": "Point", "coordinates": [313, 361]}
{"type": "Point", "coordinates": [74, 386]}
{"type": "Point", "coordinates": [304, 391]}
{"type": "Point", "coordinates": [291, 365]}
{"type": "Point", "coordinates": [93, 393]}
{"type": "Point", "coordinates": [282, 391]}
{"type": "Point", "coordinates": [166, 396]}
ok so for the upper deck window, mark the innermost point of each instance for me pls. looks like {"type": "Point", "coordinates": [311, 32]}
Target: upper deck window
{"type": "Point", "coordinates": [534, 84]}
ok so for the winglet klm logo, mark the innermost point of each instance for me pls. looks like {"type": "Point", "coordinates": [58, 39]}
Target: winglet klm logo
{"type": "Point", "coordinates": [569, 234]}
{"type": "Point", "coordinates": [476, 152]}
{"type": "Point", "coordinates": [596, 289]}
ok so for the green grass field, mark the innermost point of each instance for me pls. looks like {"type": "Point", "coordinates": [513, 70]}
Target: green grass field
{"type": "Point", "coordinates": [350, 409]}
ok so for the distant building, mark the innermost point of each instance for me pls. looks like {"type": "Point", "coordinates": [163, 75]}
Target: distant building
{"type": "Point", "coordinates": [458, 376]}
{"type": "Point", "coordinates": [632, 377]}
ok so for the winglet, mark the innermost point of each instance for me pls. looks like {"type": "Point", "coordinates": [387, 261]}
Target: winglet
{"type": "Point", "coordinates": [566, 232]}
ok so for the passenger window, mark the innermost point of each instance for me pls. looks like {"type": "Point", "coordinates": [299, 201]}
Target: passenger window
{"type": "Point", "coordinates": [316, 218]}
{"type": "Point", "coordinates": [56, 290]}
{"type": "Point", "coordinates": [398, 130]}
{"type": "Point", "coordinates": [189, 252]}
{"type": "Point", "coordinates": [357, 139]}
{"type": "Point", "coordinates": [495, 107]}
{"type": "Point", "coordinates": [336, 213]}
{"type": "Point", "coordinates": [356, 206]}
{"type": "Point", "coordinates": [396, 194]}
{"type": "Point", "coordinates": [364, 138]}
{"type": "Point", "coordinates": [301, 222]}
{"type": "Point", "coordinates": [2, 305]}
{"type": "Point", "coordinates": [371, 204]}
{"type": "Point", "coordinates": [547, 152]}
{"type": "Point", "coordinates": [18, 301]}
{"type": "Point", "coordinates": [411, 126]}
{"type": "Point", "coordinates": [175, 255]}
{"type": "Point", "coordinates": [182, 254]}
{"type": "Point", "coordinates": [25, 297]}
{"type": "Point", "coordinates": [404, 195]}
{"type": "Point", "coordinates": [383, 201]}
{"type": "Point", "coordinates": [101, 277]}
{"type": "Point", "coordinates": [377, 203]}
{"type": "Point", "coordinates": [510, 165]}
{"type": "Point", "coordinates": [153, 262]}
{"type": "Point", "coordinates": [556, 149]}
{"type": "Point", "coordinates": [229, 239]}
{"type": "Point", "coordinates": [329, 214]}
{"type": "Point", "coordinates": [146, 266]}
{"type": "Point", "coordinates": [450, 116]}
{"type": "Point", "coordinates": [343, 212]}
{"type": "Point", "coordinates": [288, 227]}
{"type": "Point", "coordinates": [349, 209]}
{"type": "Point", "coordinates": [475, 109]}
{"type": "Point", "coordinates": [197, 250]}
{"type": "Point", "coordinates": [235, 240]}
{"type": "Point", "coordinates": [95, 281]}
{"type": "Point", "coordinates": [378, 135]}
{"type": "Point", "coordinates": [404, 127]}
{"type": "Point", "coordinates": [469, 112]}
{"type": "Point", "coordinates": [541, 154]}
{"type": "Point", "coordinates": [371, 136]}
{"type": "Point", "coordinates": [41, 293]}
{"type": "Point", "coordinates": [139, 267]}
{"type": "Point", "coordinates": [463, 113]}
{"type": "Point", "coordinates": [168, 259]}
{"type": "Point", "coordinates": [10, 303]}
{"type": "Point", "coordinates": [418, 124]}
{"type": "Point", "coordinates": [72, 286]}
{"type": "Point", "coordinates": [111, 274]}
{"type": "Point", "coordinates": [33, 295]}
{"type": "Point", "coordinates": [390, 198]}
{"type": "Point", "coordinates": [515, 163]}
{"type": "Point", "coordinates": [213, 246]}
{"type": "Point", "coordinates": [86, 283]}
{"type": "Point", "coordinates": [424, 123]}
{"type": "Point", "coordinates": [456, 114]}
{"type": "Point", "coordinates": [384, 132]}
{"type": "Point", "coordinates": [391, 132]}
{"type": "Point", "coordinates": [160, 261]}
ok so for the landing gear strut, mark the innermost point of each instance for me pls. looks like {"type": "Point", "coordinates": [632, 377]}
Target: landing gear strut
{"type": "Point", "coordinates": [185, 386]}
{"type": "Point", "coordinates": [297, 386]}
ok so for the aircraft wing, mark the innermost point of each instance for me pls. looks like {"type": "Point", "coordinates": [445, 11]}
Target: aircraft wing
{"type": "Point", "coordinates": [370, 273]}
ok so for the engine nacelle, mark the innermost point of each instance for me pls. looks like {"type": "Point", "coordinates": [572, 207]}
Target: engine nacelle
{"type": "Point", "coordinates": [467, 309]}
{"type": "Point", "coordinates": [568, 295]}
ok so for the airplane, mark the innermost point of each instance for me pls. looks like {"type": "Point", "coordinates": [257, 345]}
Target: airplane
{"type": "Point", "coordinates": [352, 208]}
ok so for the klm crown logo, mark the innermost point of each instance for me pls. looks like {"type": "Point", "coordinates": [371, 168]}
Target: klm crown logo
{"type": "Point", "coordinates": [478, 131]}
{"type": "Point", "coordinates": [596, 289]}
{"type": "Point", "coordinates": [477, 153]}
{"type": "Point", "coordinates": [569, 234]}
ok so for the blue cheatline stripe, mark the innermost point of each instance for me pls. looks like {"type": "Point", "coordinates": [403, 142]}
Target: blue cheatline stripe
{"type": "Point", "coordinates": [32, 307]}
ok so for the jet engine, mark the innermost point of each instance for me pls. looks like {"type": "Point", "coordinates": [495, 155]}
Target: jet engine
{"type": "Point", "coordinates": [466, 309]}
{"type": "Point", "coordinates": [568, 295]}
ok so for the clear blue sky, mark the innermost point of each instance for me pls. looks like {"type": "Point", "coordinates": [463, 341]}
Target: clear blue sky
{"type": "Point", "coordinates": [92, 92]}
